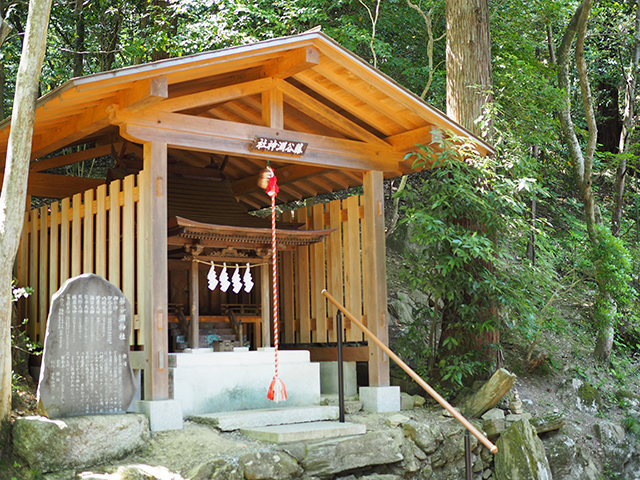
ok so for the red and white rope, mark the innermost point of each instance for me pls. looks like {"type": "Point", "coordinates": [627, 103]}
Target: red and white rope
{"type": "Point", "coordinates": [277, 391]}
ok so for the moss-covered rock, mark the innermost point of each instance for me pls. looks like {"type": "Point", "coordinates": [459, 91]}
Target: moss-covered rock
{"type": "Point", "coordinates": [521, 455]}
{"type": "Point", "coordinates": [590, 397]}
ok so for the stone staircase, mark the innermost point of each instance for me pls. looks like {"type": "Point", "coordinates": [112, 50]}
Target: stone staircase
{"type": "Point", "coordinates": [283, 425]}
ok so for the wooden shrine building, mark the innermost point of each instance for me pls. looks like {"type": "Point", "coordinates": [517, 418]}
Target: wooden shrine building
{"type": "Point", "coordinates": [190, 137]}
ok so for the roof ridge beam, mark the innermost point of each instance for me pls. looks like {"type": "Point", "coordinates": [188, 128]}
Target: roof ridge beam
{"type": "Point", "coordinates": [292, 62]}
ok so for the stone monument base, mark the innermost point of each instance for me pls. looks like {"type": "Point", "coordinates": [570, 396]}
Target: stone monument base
{"type": "Point", "coordinates": [162, 414]}
{"type": "Point", "coordinates": [78, 442]}
{"type": "Point", "coordinates": [380, 399]}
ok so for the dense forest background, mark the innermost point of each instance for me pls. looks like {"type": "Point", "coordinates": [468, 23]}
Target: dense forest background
{"type": "Point", "coordinates": [500, 240]}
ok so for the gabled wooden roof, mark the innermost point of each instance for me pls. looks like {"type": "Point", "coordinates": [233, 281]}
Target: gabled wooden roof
{"type": "Point", "coordinates": [209, 107]}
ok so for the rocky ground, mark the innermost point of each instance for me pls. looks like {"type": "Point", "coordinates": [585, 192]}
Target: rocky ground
{"type": "Point", "coordinates": [601, 405]}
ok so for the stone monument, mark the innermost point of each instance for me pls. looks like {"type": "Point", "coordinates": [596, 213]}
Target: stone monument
{"type": "Point", "coordinates": [85, 365]}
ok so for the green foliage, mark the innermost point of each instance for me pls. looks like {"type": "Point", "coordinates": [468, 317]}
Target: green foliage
{"type": "Point", "coordinates": [460, 215]}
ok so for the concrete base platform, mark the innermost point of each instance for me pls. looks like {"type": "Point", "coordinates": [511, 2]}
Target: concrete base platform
{"type": "Point", "coordinates": [234, 381]}
{"type": "Point", "coordinates": [162, 414]}
{"type": "Point", "coordinates": [303, 432]}
{"type": "Point", "coordinates": [380, 399]}
{"type": "Point", "coordinates": [228, 421]}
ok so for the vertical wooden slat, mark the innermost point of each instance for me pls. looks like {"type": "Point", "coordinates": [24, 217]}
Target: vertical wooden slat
{"type": "Point", "coordinates": [101, 231]}
{"type": "Point", "coordinates": [114, 234]}
{"type": "Point", "coordinates": [352, 262]}
{"type": "Point", "coordinates": [302, 278]}
{"type": "Point", "coordinates": [318, 277]}
{"type": "Point", "coordinates": [33, 276]}
{"type": "Point", "coordinates": [76, 236]}
{"type": "Point", "coordinates": [266, 305]}
{"type": "Point", "coordinates": [128, 249]}
{"type": "Point", "coordinates": [334, 263]}
{"type": "Point", "coordinates": [64, 240]}
{"type": "Point", "coordinates": [375, 280]}
{"type": "Point", "coordinates": [286, 289]}
{"type": "Point", "coordinates": [87, 244]}
{"type": "Point", "coordinates": [43, 274]}
{"type": "Point", "coordinates": [23, 266]}
{"type": "Point", "coordinates": [194, 301]}
{"type": "Point", "coordinates": [53, 249]}
{"type": "Point", "coordinates": [152, 295]}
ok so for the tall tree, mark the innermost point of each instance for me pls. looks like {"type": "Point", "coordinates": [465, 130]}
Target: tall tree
{"type": "Point", "coordinates": [468, 61]}
{"type": "Point", "coordinates": [600, 243]}
{"type": "Point", "coordinates": [14, 186]}
{"type": "Point", "coordinates": [630, 78]}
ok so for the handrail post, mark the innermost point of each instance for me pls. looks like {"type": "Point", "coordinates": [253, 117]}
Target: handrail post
{"type": "Point", "coordinates": [467, 456]}
{"type": "Point", "coordinates": [340, 366]}
{"type": "Point", "coordinates": [428, 388]}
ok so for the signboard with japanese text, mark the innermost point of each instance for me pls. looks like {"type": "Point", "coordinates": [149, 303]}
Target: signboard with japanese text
{"type": "Point", "coordinates": [275, 145]}
{"type": "Point", "coordinates": [85, 365]}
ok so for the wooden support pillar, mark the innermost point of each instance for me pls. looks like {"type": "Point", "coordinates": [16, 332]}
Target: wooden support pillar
{"type": "Point", "coordinates": [194, 289]}
{"type": "Point", "coordinates": [265, 285]}
{"type": "Point", "coordinates": [375, 282]}
{"type": "Point", "coordinates": [153, 269]}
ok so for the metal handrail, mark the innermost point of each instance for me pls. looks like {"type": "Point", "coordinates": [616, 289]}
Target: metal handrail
{"type": "Point", "coordinates": [435, 395]}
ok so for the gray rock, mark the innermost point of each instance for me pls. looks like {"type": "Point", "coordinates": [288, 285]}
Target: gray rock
{"type": "Point", "coordinates": [78, 442]}
{"type": "Point", "coordinates": [579, 394]}
{"type": "Point", "coordinates": [297, 450]}
{"type": "Point", "coordinates": [212, 469]}
{"type": "Point", "coordinates": [489, 394]}
{"type": "Point", "coordinates": [85, 363]}
{"type": "Point", "coordinates": [418, 401]}
{"type": "Point", "coordinates": [411, 463]}
{"type": "Point", "coordinates": [62, 475]}
{"type": "Point", "coordinates": [269, 466]}
{"type": "Point", "coordinates": [515, 417]}
{"type": "Point", "coordinates": [403, 309]}
{"type": "Point", "coordinates": [143, 472]}
{"type": "Point", "coordinates": [494, 428]}
{"type": "Point", "coordinates": [406, 401]}
{"type": "Point", "coordinates": [521, 454]}
{"type": "Point", "coordinates": [561, 454]}
{"type": "Point", "coordinates": [339, 455]}
{"type": "Point", "coordinates": [548, 422]}
{"type": "Point", "coordinates": [608, 432]}
{"type": "Point", "coordinates": [228, 472]}
{"type": "Point", "coordinates": [493, 414]}
{"type": "Point", "coordinates": [397, 420]}
{"type": "Point", "coordinates": [426, 436]}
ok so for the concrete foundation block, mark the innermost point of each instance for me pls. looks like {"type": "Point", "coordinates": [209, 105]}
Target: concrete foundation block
{"type": "Point", "coordinates": [380, 399]}
{"type": "Point", "coordinates": [162, 414]}
{"type": "Point", "coordinates": [233, 381]}
{"type": "Point", "coordinates": [329, 378]}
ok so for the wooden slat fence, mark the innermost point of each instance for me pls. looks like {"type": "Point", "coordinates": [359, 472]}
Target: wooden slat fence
{"type": "Point", "coordinates": [94, 232]}
{"type": "Point", "coordinates": [335, 264]}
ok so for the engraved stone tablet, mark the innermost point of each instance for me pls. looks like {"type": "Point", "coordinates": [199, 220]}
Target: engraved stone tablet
{"type": "Point", "coordinates": [85, 365]}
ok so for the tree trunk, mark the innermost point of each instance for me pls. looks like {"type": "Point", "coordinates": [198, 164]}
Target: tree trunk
{"type": "Point", "coordinates": [469, 83]}
{"type": "Point", "coordinates": [14, 187]}
{"type": "Point", "coordinates": [469, 78]}
{"type": "Point", "coordinates": [627, 123]}
{"type": "Point", "coordinates": [583, 163]}
{"type": "Point", "coordinates": [78, 41]}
